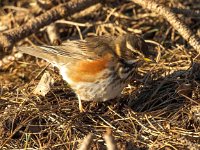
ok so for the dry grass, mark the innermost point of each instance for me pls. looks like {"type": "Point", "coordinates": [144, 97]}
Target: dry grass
{"type": "Point", "coordinates": [158, 110]}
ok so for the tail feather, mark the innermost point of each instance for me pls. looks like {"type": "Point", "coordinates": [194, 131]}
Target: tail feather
{"type": "Point", "coordinates": [41, 52]}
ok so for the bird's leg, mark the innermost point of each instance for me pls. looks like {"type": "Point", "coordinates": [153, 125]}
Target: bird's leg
{"type": "Point", "coordinates": [80, 104]}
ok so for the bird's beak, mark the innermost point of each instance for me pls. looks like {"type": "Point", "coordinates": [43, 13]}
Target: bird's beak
{"type": "Point", "coordinates": [149, 60]}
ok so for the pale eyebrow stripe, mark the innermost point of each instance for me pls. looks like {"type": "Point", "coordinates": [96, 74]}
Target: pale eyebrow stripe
{"type": "Point", "coordinates": [118, 50]}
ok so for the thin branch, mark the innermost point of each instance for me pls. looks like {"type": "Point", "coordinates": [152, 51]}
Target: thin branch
{"type": "Point", "coordinates": [87, 141]}
{"type": "Point", "coordinates": [109, 139]}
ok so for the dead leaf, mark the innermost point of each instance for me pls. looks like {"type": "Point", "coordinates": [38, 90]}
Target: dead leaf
{"type": "Point", "coordinates": [44, 85]}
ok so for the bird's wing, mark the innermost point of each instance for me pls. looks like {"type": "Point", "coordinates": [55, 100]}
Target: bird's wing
{"type": "Point", "coordinates": [90, 48]}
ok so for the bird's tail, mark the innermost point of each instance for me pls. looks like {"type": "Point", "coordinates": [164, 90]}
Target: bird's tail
{"type": "Point", "coordinates": [44, 52]}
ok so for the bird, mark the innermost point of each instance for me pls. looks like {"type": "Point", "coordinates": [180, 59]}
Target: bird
{"type": "Point", "coordinates": [97, 68]}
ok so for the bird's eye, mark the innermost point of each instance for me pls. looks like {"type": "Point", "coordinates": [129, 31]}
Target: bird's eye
{"type": "Point", "coordinates": [135, 55]}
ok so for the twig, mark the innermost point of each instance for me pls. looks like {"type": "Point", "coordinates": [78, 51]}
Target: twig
{"type": "Point", "coordinates": [85, 145]}
{"type": "Point", "coordinates": [87, 11]}
{"type": "Point", "coordinates": [109, 139]}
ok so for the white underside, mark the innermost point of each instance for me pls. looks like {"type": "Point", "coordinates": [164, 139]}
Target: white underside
{"type": "Point", "coordinates": [91, 91]}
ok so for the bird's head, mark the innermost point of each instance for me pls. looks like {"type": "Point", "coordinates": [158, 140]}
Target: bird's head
{"type": "Point", "coordinates": [133, 48]}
